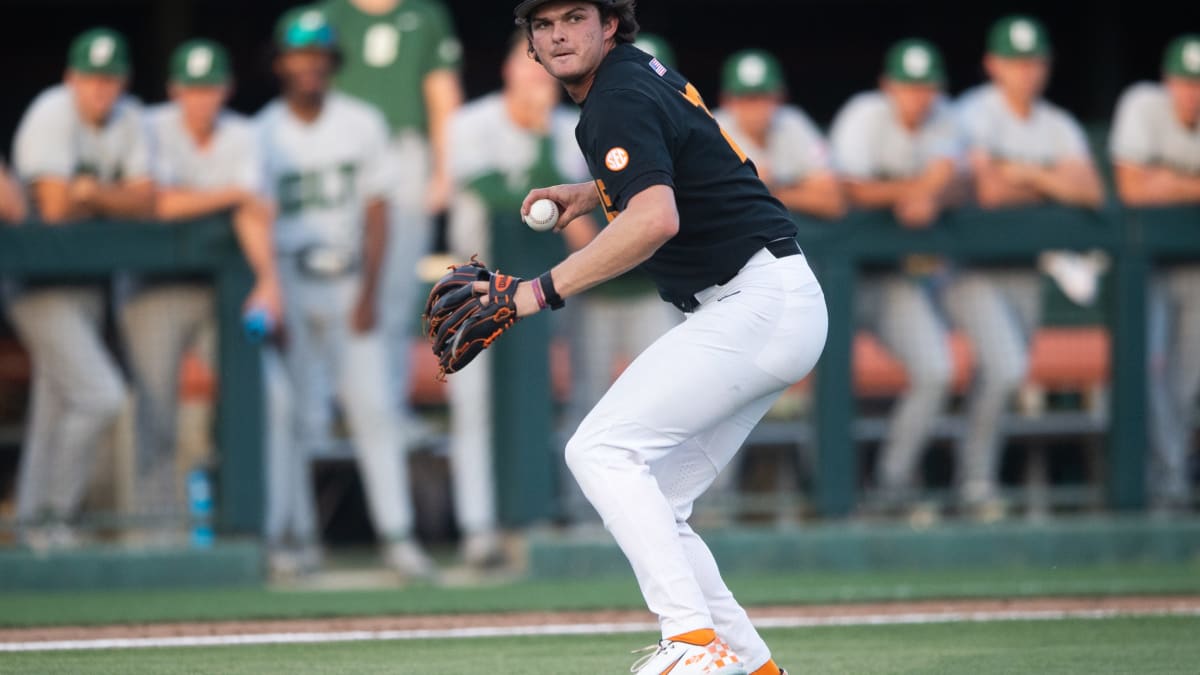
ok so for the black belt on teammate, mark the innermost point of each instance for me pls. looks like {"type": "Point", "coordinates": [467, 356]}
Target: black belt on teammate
{"type": "Point", "coordinates": [780, 248]}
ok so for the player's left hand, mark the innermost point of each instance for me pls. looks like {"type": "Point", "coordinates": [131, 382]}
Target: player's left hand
{"type": "Point", "coordinates": [468, 309]}
{"type": "Point", "coordinates": [364, 317]}
{"type": "Point", "coordinates": [523, 298]}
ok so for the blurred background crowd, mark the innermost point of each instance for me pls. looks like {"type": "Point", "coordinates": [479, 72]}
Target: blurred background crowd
{"type": "Point", "coordinates": [374, 165]}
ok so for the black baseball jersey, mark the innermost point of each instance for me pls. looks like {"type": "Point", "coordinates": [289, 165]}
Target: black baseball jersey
{"type": "Point", "coordinates": [644, 125]}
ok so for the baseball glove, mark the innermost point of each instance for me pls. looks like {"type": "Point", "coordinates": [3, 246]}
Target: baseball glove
{"type": "Point", "coordinates": [461, 323]}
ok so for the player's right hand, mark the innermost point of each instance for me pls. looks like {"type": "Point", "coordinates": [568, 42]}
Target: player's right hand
{"type": "Point", "coordinates": [574, 200]}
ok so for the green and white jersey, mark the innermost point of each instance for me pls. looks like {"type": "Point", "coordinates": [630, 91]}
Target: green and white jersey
{"type": "Point", "coordinates": [387, 56]}
{"type": "Point", "coordinates": [230, 159]}
{"type": "Point", "coordinates": [52, 141]}
{"type": "Point", "coordinates": [795, 147]}
{"type": "Point", "coordinates": [483, 140]}
{"type": "Point", "coordinates": [1147, 131]}
{"type": "Point", "coordinates": [322, 174]}
{"type": "Point", "coordinates": [869, 142]}
{"type": "Point", "coordinates": [1050, 135]}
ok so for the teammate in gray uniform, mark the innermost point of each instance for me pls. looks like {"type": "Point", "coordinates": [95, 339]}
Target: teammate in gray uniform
{"type": "Point", "coordinates": [1023, 150]}
{"type": "Point", "coordinates": [81, 150]}
{"type": "Point", "coordinates": [330, 175]}
{"type": "Point", "coordinates": [12, 201]}
{"type": "Point", "coordinates": [205, 162]}
{"type": "Point", "coordinates": [789, 152]}
{"type": "Point", "coordinates": [1155, 146]}
{"type": "Point", "coordinates": [501, 145]}
{"type": "Point", "coordinates": [899, 148]}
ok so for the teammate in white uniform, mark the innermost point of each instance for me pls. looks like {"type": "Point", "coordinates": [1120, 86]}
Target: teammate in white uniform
{"type": "Point", "coordinates": [1155, 146]}
{"type": "Point", "coordinates": [205, 162]}
{"type": "Point", "coordinates": [791, 155]}
{"type": "Point", "coordinates": [1023, 150]}
{"type": "Point", "coordinates": [685, 203]}
{"type": "Point", "coordinates": [500, 147]}
{"type": "Point", "coordinates": [328, 171]}
{"type": "Point", "coordinates": [81, 150]}
{"type": "Point", "coordinates": [899, 148]}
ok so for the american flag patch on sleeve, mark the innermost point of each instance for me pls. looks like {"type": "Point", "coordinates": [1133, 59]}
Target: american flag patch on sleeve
{"type": "Point", "coordinates": [658, 67]}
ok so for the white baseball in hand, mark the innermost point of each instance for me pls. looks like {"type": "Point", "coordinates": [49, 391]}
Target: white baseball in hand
{"type": "Point", "coordinates": [543, 215]}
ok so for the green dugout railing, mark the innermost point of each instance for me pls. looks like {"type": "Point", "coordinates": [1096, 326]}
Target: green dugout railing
{"type": "Point", "coordinates": [1136, 239]}
{"type": "Point", "coordinates": [93, 251]}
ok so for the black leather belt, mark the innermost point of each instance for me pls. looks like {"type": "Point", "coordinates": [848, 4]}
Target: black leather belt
{"type": "Point", "coordinates": [780, 248]}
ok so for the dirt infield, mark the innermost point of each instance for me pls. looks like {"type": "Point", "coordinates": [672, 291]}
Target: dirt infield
{"type": "Point", "coordinates": [870, 612]}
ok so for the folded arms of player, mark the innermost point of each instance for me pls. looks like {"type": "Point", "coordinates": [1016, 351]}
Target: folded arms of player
{"type": "Point", "coordinates": [1071, 181]}
{"type": "Point", "coordinates": [1146, 185]}
{"type": "Point", "coordinates": [916, 201]}
{"type": "Point", "coordinates": [62, 200]}
{"type": "Point", "coordinates": [173, 203]}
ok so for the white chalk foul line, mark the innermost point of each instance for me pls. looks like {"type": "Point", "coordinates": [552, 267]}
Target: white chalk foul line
{"type": "Point", "coordinates": [550, 630]}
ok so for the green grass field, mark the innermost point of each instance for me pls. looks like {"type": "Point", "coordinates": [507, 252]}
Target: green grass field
{"type": "Point", "coordinates": [65, 609]}
{"type": "Point", "coordinates": [1145, 646]}
{"type": "Point", "coordinates": [1123, 645]}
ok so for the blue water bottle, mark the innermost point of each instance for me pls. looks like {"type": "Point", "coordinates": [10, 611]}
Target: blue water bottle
{"type": "Point", "coordinates": [200, 505]}
{"type": "Point", "coordinates": [257, 324]}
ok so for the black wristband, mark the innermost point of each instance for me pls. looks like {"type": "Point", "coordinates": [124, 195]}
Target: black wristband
{"type": "Point", "coordinates": [552, 297]}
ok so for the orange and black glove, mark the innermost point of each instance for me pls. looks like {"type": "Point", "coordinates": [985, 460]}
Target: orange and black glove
{"type": "Point", "coordinates": [462, 322]}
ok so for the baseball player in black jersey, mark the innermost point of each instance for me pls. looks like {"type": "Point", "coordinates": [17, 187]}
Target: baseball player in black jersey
{"type": "Point", "coordinates": [686, 205]}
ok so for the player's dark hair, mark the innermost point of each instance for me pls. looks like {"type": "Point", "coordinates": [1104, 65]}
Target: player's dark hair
{"type": "Point", "coordinates": [624, 10]}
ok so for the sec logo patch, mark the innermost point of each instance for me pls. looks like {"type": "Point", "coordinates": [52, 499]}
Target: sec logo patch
{"type": "Point", "coordinates": [616, 159]}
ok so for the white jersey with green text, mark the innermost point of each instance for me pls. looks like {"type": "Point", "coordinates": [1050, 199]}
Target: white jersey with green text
{"type": "Point", "coordinates": [1050, 135]}
{"type": "Point", "coordinates": [321, 174]}
{"type": "Point", "coordinates": [794, 149]}
{"type": "Point", "coordinates": [52, 141]}
{"type": "Point", "coordinates": [229, 159]}
{"type": "Point", "coordinates": [1147, 131]}
{"type": "Point", "coordinates": [869, 142]}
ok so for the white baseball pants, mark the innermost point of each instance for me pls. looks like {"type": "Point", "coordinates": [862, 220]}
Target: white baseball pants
{"type": "Point", "coordinates": [677, 416]}
{"type": "Point", "coordinates": [159, 324]}
{"type": "Point", "coordinates": [1174, 380]}
{"type": "Point", "coordinates": [320, 338]}
{"type": "Point", "coordinates": [77, 396]}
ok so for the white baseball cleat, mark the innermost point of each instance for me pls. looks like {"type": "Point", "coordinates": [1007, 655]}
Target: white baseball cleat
{"type": "Point", "coordinates": [682, 658]}
{"type": "Point", "coordinates": [409, 560]}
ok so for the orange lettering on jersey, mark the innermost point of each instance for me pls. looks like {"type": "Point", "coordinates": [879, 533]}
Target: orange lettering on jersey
{"type": "Point", "coordinates": [692, 94]}
{"type": "Point", "coordinates": [610, 212]}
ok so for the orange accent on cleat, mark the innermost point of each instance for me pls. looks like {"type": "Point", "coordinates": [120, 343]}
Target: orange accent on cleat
{"type": "Point", "coordinates": [696, 637]}
{"type": "Point", "coordinates": [769, 668]}
{"type": "Point", "coordinates": [699, 638]}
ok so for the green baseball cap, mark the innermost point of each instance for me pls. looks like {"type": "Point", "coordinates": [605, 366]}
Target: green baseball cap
{"type": "Point", "coordinates": [200, 63]}
{"type": "Point", "coordinates": [752, 72]}
{"type": "Point", "coordinates": [305, 28]}
{"type": "Point", "coordinates": [656, 46]}
{"type": "Point", "coordinates": [1018, 37]}
{"type": "Point", "coordinates": [99, 51]}
{"type": "Point", "coordinates": [1183, 57]}
{"type": "Point", "coordinates": [915, 61]}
